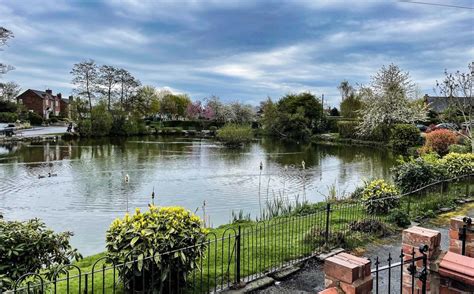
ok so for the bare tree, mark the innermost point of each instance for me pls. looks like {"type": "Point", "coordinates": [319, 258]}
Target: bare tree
{"type": "Point", "coordinates": [108, 79]}
{"type": "Point", "coordinates": [5, 36]}
{"type": "Point", "coordinates": [128, 85]}
{"type": "Point", "coordinates": [458, 88]}
{"type": "Point", "coordinates": [9, 91]}
{"type": "Point", "coordinates": [85, 76]}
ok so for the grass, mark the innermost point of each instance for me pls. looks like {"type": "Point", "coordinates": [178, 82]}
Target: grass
{"type": "Point", "coordinates": [272, 244]}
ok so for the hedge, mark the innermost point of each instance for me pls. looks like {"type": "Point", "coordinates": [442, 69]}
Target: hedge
{"type": "Point", "coordinates": [348, 129]}
{"type": "Point", "coordinates": [197, 125]}
{"type": "Point", "coordinates": [7, 117]}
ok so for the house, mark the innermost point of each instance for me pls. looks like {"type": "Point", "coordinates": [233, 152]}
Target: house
{"type": "Point", "coordinates": [44, 103]}
{"type": "Point", "coordinates": [439, 104]}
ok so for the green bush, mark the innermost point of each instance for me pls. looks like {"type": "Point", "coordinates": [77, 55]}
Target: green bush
{"type": "Point", "coordinates": [30, 247]}
{"type": "Point", "coordinates": [380, 197]}
{"type": "Point", "coordinates": [101, 121]}
{"type": "Point", "coordinates": [84, 128]}
{"type": "Point", "coordinates": [35, 119]}
{"type": "Point", "coordinates": [53, 119]}
{"type": "Point", "coordinates": [8, 117]}
{"type": "Point", "coordinates": [404, 136]}
{"type": "Point", "coordinates": [417, 173]}
{"type": "Point", "coordinates": [348, 129]}
{"type": "Point", "coordinates": [399, 217]}
{"type": "Point", "coordinates": [8, 106]}
{"type": "Point", "coordinates": [147, 237]}
{"type": "Point", "coordinates": [370, 226]}
{"type": "Point", "coordinates": [235, 135]}
{"type": "Point", "coordinates": [458, 148]}
{"type": "Point", "coordinates": [457, 164]}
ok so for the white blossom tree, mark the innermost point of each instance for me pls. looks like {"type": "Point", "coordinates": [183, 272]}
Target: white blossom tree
{"type": "Point", "coordinates": [389, 100]}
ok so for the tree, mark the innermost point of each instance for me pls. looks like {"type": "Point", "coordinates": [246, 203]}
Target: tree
{"type": "Point", "coordinates": [5, 36]}
{"type": "Point", "coordinates": [346, 89]}
{"type": "Point", "coordinates": [334, 112]}
{"type": "Point", "coordinates": [127, 86]}
{"type": "Point", "coordinates": [215, 107]}
{"type": "Point", "coordinates": [194, 110]}
{"type": "Point", "coordinates": [146, 101]}
{"type": "Point", "coordinates": [388, 101]}
{"type": "Point", "coordinates": [108, 78]}
{"type": "Point", "coordinates": [174, 106]}
{"type": "Point", "coordinates": [351, 105]}
{"type": "Point", "coordinates": [9, 91]}
{"type": "Point", "coordinates": [241, 113]}
{"type": "Point", "coordinates": [458, 88]}
{"type": "Point", "coordinates": [85, 77]}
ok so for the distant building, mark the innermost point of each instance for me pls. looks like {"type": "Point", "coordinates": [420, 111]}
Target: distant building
{"type": "Point", "coordinates": [439, 104]}
{"type": "Point", "coordinates": [45, 103]}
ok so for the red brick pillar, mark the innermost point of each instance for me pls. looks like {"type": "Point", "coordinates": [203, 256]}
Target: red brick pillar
{"type": "Point", "coordinates": [412, 238]}
{"type": "Point", "coordinates": [455, 242]}
{"type": "Point", "coordinates": [348, 274]}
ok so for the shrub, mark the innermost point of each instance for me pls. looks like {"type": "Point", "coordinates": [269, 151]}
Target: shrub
{"type": "Point", "coordinates": [84, 128]}
{"type": "Point", "coordinates": [417, 173]}
{"type": "Point", "coordinates": [458, 148]}
{"type": "Point", "coordinates": [404, 136]}
{"type": "Point", "coordinates": [371, 226]}
{"type": "Point", "coordinates": [147, 237]}
{"type": "Point", "coordinates": [357, 193]}
{"type": "Point", "coordinates": [457, 164]}
{"type": "Point", "coordinates": [379, 197]}
{"type": "Point", "coordinates": [347, 129]}
{"type": "Point", "coordinates": [101, 121]}
{"type": "Point", "coordinates": [30, 247]}
{"type": "Point", "coordinates": [399, 217]}
{"type": "Point", "coordinates": [8, 117]}
{"type": "Point", "coordinates": [440, 140]}
{"type": "Point", "coordinates": [234, 135]}
{"type": "Point", "coordinates": [53, 119]}
{"type": "Point", "coordinates": [35, 119]}
{"type": "Point", "coordinates": [317, 238]}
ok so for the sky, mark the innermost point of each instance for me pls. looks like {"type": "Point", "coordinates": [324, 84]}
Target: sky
{"type": "Point", "coordinates": [238, 50]}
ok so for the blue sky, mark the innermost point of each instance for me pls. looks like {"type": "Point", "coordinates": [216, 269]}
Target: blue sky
{"type": "Point", "coordinates": [238, 50]}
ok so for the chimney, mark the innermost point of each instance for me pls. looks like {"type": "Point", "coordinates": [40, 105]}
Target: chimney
{"type": "Point", "coordinates": [49, 91]}
{"type": "Point", "coordinates": [59, 96]}
{"type": "Point", "coordinates": [71, 99]}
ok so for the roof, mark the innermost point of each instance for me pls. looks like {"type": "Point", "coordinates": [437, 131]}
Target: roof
{"type": "Point", "coordinates": [440, 103]}
{"type": "Point", "coordinates": [41, 94]}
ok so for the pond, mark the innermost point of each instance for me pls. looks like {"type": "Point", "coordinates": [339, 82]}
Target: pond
{"type": "Point", "coordinates": [89, 190]}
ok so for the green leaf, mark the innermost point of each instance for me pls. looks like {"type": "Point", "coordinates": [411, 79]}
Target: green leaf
{"type": "Point", "coordinates": [134, 240]}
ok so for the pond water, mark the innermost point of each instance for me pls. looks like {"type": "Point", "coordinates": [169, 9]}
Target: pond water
{"type": "Point", "coordinates": [89, 191]}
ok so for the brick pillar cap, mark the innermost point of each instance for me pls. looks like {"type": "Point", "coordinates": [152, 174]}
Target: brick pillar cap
{"type": "Point", "coordinates": [332, 290]}
{"type": "Point", "coordinates": [457, 267]}
{"type": "Point", "coordinates": [422, 231]}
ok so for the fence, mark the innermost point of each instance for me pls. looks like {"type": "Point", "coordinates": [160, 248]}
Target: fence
{"type": "Point", "coordinates": [242, 252]}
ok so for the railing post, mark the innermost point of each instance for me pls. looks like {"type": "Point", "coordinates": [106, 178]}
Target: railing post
{"type": "Point", "coordinates": [237, 257]}
{"type": "Point", "coordinates": [326, 235]}
{"type": "Point", "coordinates": [86, 282]}
{"type": "Point", "coordinates": [462, 237]}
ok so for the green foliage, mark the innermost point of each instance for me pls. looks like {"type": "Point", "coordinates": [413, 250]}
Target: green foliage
{"type": "Point", "coordinates": [348, 129]}
{"type": "Point", "coordinates": [147, 236]}
{"type": "Point", "coordinates": [379, 197]}
{"type": "Point", "coordinates": [399, 217]}
{"type": "Point", "coordinates": [198, 125]}
{"type": "Point", "coordinates": [357, 194]}
{"type": "Point", "coordinates": [101, 121]}
{"type": "Point", "coordinates": [371, 226]}
{"type": "Point", "coordinates": [458, 148]}
{"type": "Point", "coordinates": [127, 126]}
{"type": "Point", "coordinates": [35, 119]}
{"type": "Point", "coordinates": [8, 106]}
{"type": "Point", "coordinates": [351, 106]}
{"type": "Point", "coordinates": [439, 141]}
{"type": "Point", "coordinates": [457, 164]}
{"type": "Point", "coordinates": [84, 128]}
{"type": "Point", "coordinates": [417, 173]}
{"type": "Point", "coordinates": [30, 247]}
{"type": "Point", "coordinates": [295, 116]}
{"type": "Point", "coordinates": [7, 117]}
{"type": "Point", "coordinates": [404, 136]}
{"type": "Point", "coordinates": [235, 135]}
{"type": "Point", "coordinates": [334, 112]}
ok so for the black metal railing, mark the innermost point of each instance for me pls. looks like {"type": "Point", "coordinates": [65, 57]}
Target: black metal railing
{"type": "Point", "coordinates": [244, 251]}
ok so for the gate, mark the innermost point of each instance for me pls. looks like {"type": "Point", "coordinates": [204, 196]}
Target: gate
{"type": "Point", "coordinates": [389, 278]}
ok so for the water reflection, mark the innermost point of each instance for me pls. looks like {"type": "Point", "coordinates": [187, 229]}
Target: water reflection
{"type": "Point", "coordinates": [89, 190]}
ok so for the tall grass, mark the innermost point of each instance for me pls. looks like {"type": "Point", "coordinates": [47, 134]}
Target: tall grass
{"type": "Point", "coordinates": [234, 135]}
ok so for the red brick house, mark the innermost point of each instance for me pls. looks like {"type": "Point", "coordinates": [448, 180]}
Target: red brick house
{"type": "Point", "coordinates": [45, 103]}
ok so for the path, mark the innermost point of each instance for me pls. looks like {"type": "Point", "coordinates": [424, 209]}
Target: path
{"type": "Point", "coordinates": [41, 131]}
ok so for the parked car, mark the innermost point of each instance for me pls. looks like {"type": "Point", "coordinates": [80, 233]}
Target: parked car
{"type": "Point", "coordinates": [7, 129]}
{"type": "Point", "coordinates": [422, 128]}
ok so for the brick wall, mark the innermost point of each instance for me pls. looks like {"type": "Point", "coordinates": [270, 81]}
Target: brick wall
{"type": "Point", "coordinates": [31, 101]}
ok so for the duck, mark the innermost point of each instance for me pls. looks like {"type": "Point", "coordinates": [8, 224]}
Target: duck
{"type": "Point", "coordinates": [52, 175]}
{"type": "Point", "coordinates": [41, 177]}
{"type": "Point", "coordinates": [127, 178]}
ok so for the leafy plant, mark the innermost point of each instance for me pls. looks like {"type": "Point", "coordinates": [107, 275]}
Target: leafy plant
{"type": "Point", "coordinates": [417, 173]}
{"type": "Point", "coordinates": [35, 119]}
{"type": "Point", "coordinates": [30, 247]}
{"type": "Point", "coordinates": [234, 135]}
{"type": "Point", "coordinates": [440, 140]}
{"type": "Point", "coordinates": [404, 136]}
{"type": "Point", "coordinates": [458, 164]}
{"type": "Point", "coordinates": [348, 129]}
{"type": "Point", "coordinates": [399, 217]}
{"type": "Point", "coordinates": [149, 237]}
{"type": "Point", "coordinates": [7, 117]}
{"type": "Point", "coordinates": [371, 226]}
{"type": "Point", "coordinates": [458, 148]}
{"type": "Point", "coordinates": [379, 197]}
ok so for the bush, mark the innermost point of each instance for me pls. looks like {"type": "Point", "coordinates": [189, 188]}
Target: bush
{"type": "Point", "coordinates": [458, 148]}
{"type": "Point", "coordinates": [35, 119]}
{"type": "Point", "coordinates": [399, 217]}
{"type": "Point", "coordinates": [457, 164]}
{"type": "Point", "coordinates": [404, 136]}
{"type": "Point", "coordinates": [30, 247]}
{"type": "Point", "coordinates": [84, 128]}
{"type": "Point", "coordinates": [101, 121]}
{"type": "Point", "coordinates": [348, 129]}
{"type": "Point", "coordinates": [439, 141]}
{"type": "Point", "coordinates": [8, 106]}
{"type": "Point", "coordinates": [357, 193]}
{"type": "Point", "coordinates": [379, 197]}
{"type": "Point", "coordinates": [8, 117]}
{"type": "Point", "coordinates": [53, 119]}
{"type": "Point", "coordinates": [417, 173]}
{"type": "Point", "coordinates": [372, 226]}
{"type": "Point", "coordinates": [147, 237]}
{"type": "Point", "coordinates": [234, 135]}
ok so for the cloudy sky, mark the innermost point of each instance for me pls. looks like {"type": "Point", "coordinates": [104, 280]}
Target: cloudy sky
{"type": "Point", "coordinates": [239, 50]}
